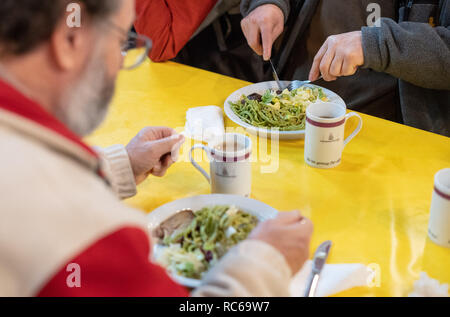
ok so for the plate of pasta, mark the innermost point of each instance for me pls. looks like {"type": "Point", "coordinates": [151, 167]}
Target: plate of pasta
{"type": "Point", "coordinates": [191, 235]}
{"type": "Point", "coordinates": [264, 110]}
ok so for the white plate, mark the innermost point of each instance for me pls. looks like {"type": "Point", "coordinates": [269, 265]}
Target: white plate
{"type": "Point", "coordinates": [260, 88]}
{"type": "Point", "coordinates": [254, 207]}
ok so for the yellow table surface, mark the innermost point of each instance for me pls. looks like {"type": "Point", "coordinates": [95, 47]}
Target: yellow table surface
{"type": "Point", "coordinates": [374, 206]}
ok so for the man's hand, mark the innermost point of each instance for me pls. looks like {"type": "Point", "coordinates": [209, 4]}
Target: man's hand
{"type": "Point", "coordinates": [153, 151]}
{"type": "Point", "coordinates": [340, 55]}
{"type": "Point", "coordinates": [289, 233]}
{"type": "Point", "coordinates": [265, 23]}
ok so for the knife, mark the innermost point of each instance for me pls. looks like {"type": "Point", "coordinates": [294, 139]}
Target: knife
{"type": "Point", "coordinates": [318, 262]}
{"type": "Point", "coordinates": [275, 75]}
{"type": "Point", "coordinates": [274, 71]}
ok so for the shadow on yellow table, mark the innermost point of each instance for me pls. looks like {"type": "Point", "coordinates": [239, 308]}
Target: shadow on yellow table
{"type": "Point", "coordinates": [374, 206]}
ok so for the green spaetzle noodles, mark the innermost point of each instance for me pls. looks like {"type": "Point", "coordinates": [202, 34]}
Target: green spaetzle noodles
{"type": "Point", "coordinates": [212, 233]}
{"type": "Point", "coordinates": [285, 111]}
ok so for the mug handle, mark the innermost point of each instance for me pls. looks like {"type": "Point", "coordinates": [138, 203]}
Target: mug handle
{"type": "Point", "coordinates": [358, 128]}
{"type": "Point", "coordinates": [198, 167]}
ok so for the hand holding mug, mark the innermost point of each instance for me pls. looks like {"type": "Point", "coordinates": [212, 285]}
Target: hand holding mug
{"type": "Point", "coordinates": [153, 151]}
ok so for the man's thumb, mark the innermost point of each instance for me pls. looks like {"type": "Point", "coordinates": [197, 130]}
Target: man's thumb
{"type": "Point", "coordinates": [166, 145]}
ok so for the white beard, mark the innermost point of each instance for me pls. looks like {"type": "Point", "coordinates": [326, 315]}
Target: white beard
{"type": "Point", "coordinates": [84, 106]}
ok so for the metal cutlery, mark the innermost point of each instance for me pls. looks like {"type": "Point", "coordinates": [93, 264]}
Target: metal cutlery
{"type": "Point", "coordinates": [294, 84]}
{"type": "Point", "coordinates": [275, 75]}
{"type": "Point", "coordinates": [318, 262]}
{"type": "Point", "coordinates": [298, 83]}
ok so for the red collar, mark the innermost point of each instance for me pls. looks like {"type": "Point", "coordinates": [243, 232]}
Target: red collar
{"type": "Point", "coordinates": [15, 102]}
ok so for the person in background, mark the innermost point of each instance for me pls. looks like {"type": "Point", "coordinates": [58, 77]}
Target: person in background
{"type": "Point", "coordinates": [60, 202]}
{"type": "Point", "coordinates": [205, 34]}
{"type": "Point", "coordinates": [399, 70]}
{"type": "Point", "coordinates": [170, 24]}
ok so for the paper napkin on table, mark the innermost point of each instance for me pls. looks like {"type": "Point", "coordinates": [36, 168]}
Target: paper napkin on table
{"type": "Point", "coordinates": [334, 278]}
{"type": "Point", "coordinates": [204, 123]}
{"type": "Point", "coordinates": [425, 286]}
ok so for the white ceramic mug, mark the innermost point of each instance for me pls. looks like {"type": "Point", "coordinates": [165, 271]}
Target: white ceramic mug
{"type": "Point", "coordinates": [231, 171]}
{"type": "Point", "coordinates": [439, 225]}
{"type": "Point", "coordinates": [324, 134]}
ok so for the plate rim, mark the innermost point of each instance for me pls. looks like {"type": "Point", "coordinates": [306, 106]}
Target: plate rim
{"type": "Point", "coordinates": [264, 131]}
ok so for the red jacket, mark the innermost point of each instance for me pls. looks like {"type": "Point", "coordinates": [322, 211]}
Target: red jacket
{"type": "Point", "coordinates": [110, 245]}
{"type": "Point", "coordinates": [170, 23]}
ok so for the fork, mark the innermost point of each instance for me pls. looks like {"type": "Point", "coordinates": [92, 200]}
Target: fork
{"type": "Point", "coordinates": [297, 83]}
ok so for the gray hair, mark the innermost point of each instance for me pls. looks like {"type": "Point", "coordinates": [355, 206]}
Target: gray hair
{"type": "Point", "coordinates": [25, 24]}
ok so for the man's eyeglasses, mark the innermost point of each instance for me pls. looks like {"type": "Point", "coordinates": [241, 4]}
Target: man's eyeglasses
{"type": "Point", "coordinates": [135, 48]}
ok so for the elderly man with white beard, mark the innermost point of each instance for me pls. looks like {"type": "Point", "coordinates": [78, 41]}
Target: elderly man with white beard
{"type": "Point", "coordinates": [59, 199]}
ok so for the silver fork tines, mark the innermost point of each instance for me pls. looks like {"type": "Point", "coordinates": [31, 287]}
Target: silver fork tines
{"type": "Point", "coordinates": [297, 83]}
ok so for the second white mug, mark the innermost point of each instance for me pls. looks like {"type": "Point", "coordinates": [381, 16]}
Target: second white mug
{"type": "Point", "coordinates": [324, 134]}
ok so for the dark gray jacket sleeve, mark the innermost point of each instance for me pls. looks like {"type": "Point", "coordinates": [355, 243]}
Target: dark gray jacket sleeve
{"type": "Point", "coordinates": [248, 6]}
{"type": "Point", "coordinates": [414, 52]}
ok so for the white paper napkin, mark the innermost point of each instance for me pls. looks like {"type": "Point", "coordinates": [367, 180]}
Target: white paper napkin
{"type": "Point", "coordinates": [334, 278]}
{"type": "Point", "coordinates": [204, 123]}
{"type": "Point", "coordinates": [425, 286]}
